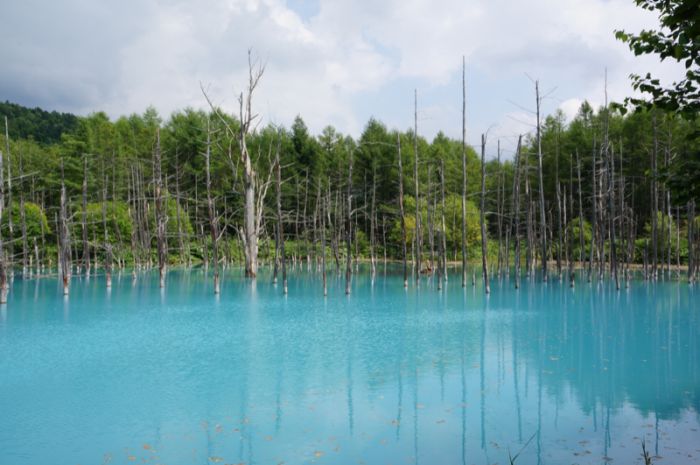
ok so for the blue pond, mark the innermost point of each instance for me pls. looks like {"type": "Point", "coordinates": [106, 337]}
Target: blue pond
{"type": "Point", "coordinates": [385, 376]}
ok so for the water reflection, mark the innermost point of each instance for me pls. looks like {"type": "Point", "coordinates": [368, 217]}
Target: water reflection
{"type": "Point", "coordinates": [386, 375]}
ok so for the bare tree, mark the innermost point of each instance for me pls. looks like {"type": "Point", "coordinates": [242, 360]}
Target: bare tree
{"type": "Point", "coordinates": [543, 220]}
{"type": "Point", "coordinates": [402, 213]}
{"type": "Point", "coordinates": [254, 192]}
{"type": "Point", "coordinates": [418, 235]}
{"type": "Point", "coordinates": [348, 232]}
{"type": "Point", "coordinates": [107, 244]}
{"type": "Point", "coordinates": [86, 248]}
{"type": "Point", "coordinates": [484, 258]}
{"type": "Point", "coordinates": [213, 223]}
{"type": "Point", "coordinates": [64, 237]}
{"type": "Point", "coordinates": [464, 175]}
{"type": "Point", "coordinates": [160, 211]}
{"type": "Point", "coordinates": [3, 270]}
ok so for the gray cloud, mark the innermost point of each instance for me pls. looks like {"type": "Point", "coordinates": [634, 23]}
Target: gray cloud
{"type": "Point", "coordinates": [328, 63]}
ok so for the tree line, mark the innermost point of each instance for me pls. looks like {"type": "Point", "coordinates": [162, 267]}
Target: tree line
{"type": "Point", "coordinates": [602, 192]}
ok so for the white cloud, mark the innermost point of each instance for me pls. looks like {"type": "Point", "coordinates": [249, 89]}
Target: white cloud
{"type": "Point", "coordinates": [122, 57]}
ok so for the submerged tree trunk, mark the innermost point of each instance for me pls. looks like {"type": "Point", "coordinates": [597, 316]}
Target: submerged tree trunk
{"type": "Point", "coordinates": [64, 238]}
{"type": "Point", "coordinates": [403, 215]}
{"type": "Point", "coordinates": [418, 235]}
{"type": "Point", "coordinates": [443, 229]}
{"type": "Point", "coordinates": [280, 227]}
{"type": "Point", "coordinates": [3, 269]}
{"type": "Point", "coordinates": [253, 194]}
{"type": "Point", "coordinates": [516, 210]}
{"type": "Point", "coordinates": [543, 221]}
{"type": "Point", "coordinates": [107, 245]}
{"type": "Point", "coordinates": [86, 248]}
{"type": "Point", "coordinates": [464, 175]}
{"type": "Point", "coordinates": [213, 226]}
{"type": "Point", "coordinates": [348, 232]}
{"type": "Point", "coordinates": [484, 258]}
{"type": "Point", "coordinates": [160, 213]}
{"type": "Point", "coordinates": [691, 241]}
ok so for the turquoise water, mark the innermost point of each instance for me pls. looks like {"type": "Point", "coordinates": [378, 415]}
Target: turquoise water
{"type": "Point", "coordinates": [384, 376]}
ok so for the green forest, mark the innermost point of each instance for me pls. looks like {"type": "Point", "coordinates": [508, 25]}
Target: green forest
{"type": "Point", "coordinates": [613, 189]}
{"type": "Point", "coordinates": [111, 165]}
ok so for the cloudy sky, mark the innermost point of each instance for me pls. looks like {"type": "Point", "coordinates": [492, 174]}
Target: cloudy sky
{"type": "Point", "coordinates": [336, 62]}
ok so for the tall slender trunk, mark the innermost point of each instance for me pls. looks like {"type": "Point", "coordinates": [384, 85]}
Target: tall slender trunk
{"type": "Point", "coordinates": [559, 204]}
{"type": "Point", "coordinates": [654, 200]}
{"type": "Point", "coordinates": [64, 237]}
{"type": "Point", "coordinates": [594, 216]}
{"type": "Point", "coordinates": [107, 244]}
{"type": "Point", "coordinates": [516, 209]}
{"type": "Point", "coordinates": [86, 247]}
{"type": "Point", "coordinates": [160, 213]}
{"type": "Point", "coordinates": [543, 220]}
{"type": "Point", "coordinates": [443, 231]}
{"type": "Point", "coordinates": [373, 223]}
{"type": "Point", "coordinates": [691, 241]}
{"type": "Point", "coordinates": [464, 175]}
{"type": "Point", "coordinates": [10, 221]}
{"type": "Point", "coordinates": [280, 226]}
{"type": "Point", "coordinates": [23, 221]}
{"type": "Point", "coordinates": [403, 214]}
{"type": "Point", "coordinates": [3, 269]}
{"type": "Point", "coordinates": [213, 226]}
{"type": "Point", "coordinates": [418, 234]}
{"type": "Point", "coordinates": [484, 258]}
{"type": "Point", "coordinates": [348, 232]}
{"type": "Point", "coordinates": [180, 238]}
{"type": "Point", "coordinates": [323, 246]}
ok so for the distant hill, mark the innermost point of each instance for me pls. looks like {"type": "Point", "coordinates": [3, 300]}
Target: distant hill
{"type": "Point", "coordinates": [34, 123]}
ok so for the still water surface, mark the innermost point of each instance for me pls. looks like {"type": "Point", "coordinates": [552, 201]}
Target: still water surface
{"type": "Point", "coordinates": [384, 376]}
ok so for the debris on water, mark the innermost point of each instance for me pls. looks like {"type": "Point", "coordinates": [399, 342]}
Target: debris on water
{"type": "Point", "coordinates": [216, 459]}
{"type": "Point", "coordinates": [318, 453]}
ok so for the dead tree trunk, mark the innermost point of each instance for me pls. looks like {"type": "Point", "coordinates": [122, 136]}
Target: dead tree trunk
{"type": "Point", "coordinates": [484, 258]}
{"type": "Point", "coordinates": [443, 230]}
{"type": "Point", "coordinates": [254, 194]}
{"type": "Point", "coordinates": [594, 217]}
{"type": "Point", "coordinates": [418, 234]}
{"type": "Point", "coordinates": [280, 228]}
{"type": "Point", "coordinates": [516, 209]}
{"type": "Point", "coordinates": [86, 247]}
{"type": "Point", "coordinates": [107, 244]}
{"type": "Point", "coordinates": [64, 237]}
{"type": "Point", "coordinates": [323, 246]}
{"type": "Point", "coordinates": [373, 224]}
{"type": "Point", "coordinates": [464, 175]}
{"type": "Point", "coordinates": [10, 222]}
{"type": "Point", "coordinates": [213, 227]}
{"type": "Point", "coordinates": [23, 222]}
{"type": "Point", "coordinates": [180, 238]}
{"type": "Point", "coordinates": [348, 232]}
{"type": "Point", "coordinates": [499, 213]}
{"type": "Point", "coordinates": [403, 215]}
{"type": "Point", "coordinates": [3, 269]}
{"type": "Point", "coordinates": [160, 213]}
{"type": "Point", "coordinates": [691, 241]}
{"type": "Point", "coordinates": [543, 220]}
{"type": "Point", "coordinates": [559, 206]}
{"type": "Point", "coordinates": [654, 200]}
